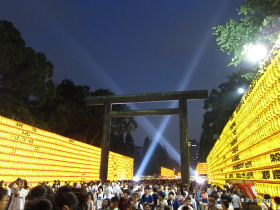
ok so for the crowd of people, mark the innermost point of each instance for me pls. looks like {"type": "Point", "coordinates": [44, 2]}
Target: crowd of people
{"type": "Point", "coordinates": [122, 195]}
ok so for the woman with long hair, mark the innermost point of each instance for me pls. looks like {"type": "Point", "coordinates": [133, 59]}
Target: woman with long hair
{"type": "Point", "coordinates": [105, 203]}
{"type": "Point", "coordinates": [204, 196]}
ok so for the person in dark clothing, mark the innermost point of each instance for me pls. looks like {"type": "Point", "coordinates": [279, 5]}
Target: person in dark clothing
{"type": "Point", "coordinates": [125, 202]}
{"type": "Point", "coordinates": [212, 204]}
{"type": "Point", "coordinates": [172, 202]}
{"type": "Point", "coordinates": [155, 197]}
{"type": "Point", "coordinates": [147, 198]}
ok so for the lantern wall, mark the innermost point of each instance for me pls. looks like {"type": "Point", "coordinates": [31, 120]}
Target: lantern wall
{"type": "Point", "coordinates": [248, 148]}
{"type": "Point", "coordinates": [37, 155]}
{"type": "Point", "coordinates": [165, 172]}
{"type": "Point", "coordinates": [201, 168]}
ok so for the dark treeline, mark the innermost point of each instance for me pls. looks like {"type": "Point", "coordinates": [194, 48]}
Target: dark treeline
{"type": "Point", "coordinates": [29, 95]}
{"type": "Point", "coordinates": [219, 107]}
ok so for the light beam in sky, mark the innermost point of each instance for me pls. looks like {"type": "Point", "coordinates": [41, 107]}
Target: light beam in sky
{"type": "Point", "coordinates": [89, 63]}
{"type": "Point", "coordinates": [183, 85]}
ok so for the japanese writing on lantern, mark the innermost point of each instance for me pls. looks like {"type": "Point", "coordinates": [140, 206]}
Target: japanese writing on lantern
{"type": "Point", "coordinates": [235, 150]}
{"type": "Point", "coordinates": [236, 158]}
{"type": "Point", "coordinates": [239, 175]}
{"type": "Point", "coordinates": [19, 125]}
{"type": "Point", "coordinates": [249, 175]}
{"type": "Point", "coordinates": [248, 164]}
{"type": "Point", "coordinates": [25, 133]}
{"type": "Point", "coordinates": [233, 142]}
{"type": "Point", "coordinates": [232, 126]}
{"type": "Point", "coordinates": [275, 157]}
{"type": "Point", "coordinates": [276, 174]}
{"type": "Point", "coordinates": [265, 174]}
{"type": "Point", "coordinates": [238, 166]}
{"type": "Point", "coordinates": [23, 139]}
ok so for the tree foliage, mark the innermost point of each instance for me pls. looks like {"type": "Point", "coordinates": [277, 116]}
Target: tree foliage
{"type": "Point", "coordinates": [259, 24]}
{"type": "Point", "coordinates": [219, 107]}
{"type": "Point", "coordinates": [25, 76]}
{"type": "Point", "coordinates": [28, 94]}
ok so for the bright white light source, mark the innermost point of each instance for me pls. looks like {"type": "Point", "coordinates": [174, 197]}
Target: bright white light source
{"type": "Point", "coordinates": [278, 42]}
{"type": "Point", "coordinates": [256, 52]}
{"type": "Point", "coordinates": [195, 173]}
{"type": "Point", "coordinates": [136, 178]}
{"type": "Point", "coordinates": [200, 180]}
{"type": "Point", "coordinates": [241, 90]}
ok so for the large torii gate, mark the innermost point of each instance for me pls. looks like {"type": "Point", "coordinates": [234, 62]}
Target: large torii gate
{"type": "Point", "coordinates": [181, 96]}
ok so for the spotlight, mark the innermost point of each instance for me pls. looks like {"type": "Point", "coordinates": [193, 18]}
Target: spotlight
{"type": "Point", "coordinates": [200, 180]}
{"type": "Point", "coordinates": [136, 178]}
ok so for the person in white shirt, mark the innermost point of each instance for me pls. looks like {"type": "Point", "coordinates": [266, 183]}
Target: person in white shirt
{"type": "Point", "coordinates": [108, 191]}
{"type": "Point", "coordinates": [236, 201]}
{"type": "Point", "coordinates": [227, 199]}
{"type": "Point", "coordinates": [135, 203]}
{"type": "Point", "coordinates": [209, 190]}
{"type": "Point", "coordinates": [18, 195]}
{"type": "Point", "coordinates": [186, 203]}
{"type": "Point", "coordinates": [193, 203]}
{"type": "Point", "coordinates": [267, 204]}
{"type": "Point", "coordinates": [162, 201]}
{"type": "Point", "coordinates": [141, 191]}
{"type": "Point", "coordinates": [277, 202]}
{"type": "Point", "coordinates": [185, 195]}
{"type": "Point", "coordinates": [215, 188]}
{"type": "Point", "coordinates": [99, 197]}
{"type": "Point", "coordinates": [9, 195]}
{"type": "Point", "coordinates": [116, 189]}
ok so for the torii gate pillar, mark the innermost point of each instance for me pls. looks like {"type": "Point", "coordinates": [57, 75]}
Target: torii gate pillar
{"type": "Point", "coordinates": [184, 141]}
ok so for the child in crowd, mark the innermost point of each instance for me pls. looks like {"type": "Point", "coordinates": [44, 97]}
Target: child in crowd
{"type": "Point", "coordinates": [135, 201]}
{"type": "Point", "coordinates": [90, 201]}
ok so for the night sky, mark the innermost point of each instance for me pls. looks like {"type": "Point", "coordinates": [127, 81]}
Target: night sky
{"type": "Point", "coordinates": [131, 47]}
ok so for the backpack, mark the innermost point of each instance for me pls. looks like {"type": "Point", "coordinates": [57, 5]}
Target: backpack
{"type": "Point", "coordinates": [268, 207]}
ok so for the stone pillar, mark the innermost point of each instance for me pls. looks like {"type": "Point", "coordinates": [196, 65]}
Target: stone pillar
{"type": "Point", "coordinates": [184, 141]}
{"type": "Point", "coordinates": [105, 147]}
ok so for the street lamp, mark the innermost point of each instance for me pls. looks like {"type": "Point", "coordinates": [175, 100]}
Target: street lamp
{"type": "Point", "coordinates": [255, 52]}
{"type": "Point", "coordinates": [241, 90]}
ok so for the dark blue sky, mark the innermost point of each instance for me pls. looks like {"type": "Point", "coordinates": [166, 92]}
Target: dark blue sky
{"type": "Point", "coordinates": [131, 47]}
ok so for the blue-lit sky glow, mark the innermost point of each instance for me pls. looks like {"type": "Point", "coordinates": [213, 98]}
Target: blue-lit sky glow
{"type": "Point", "coordinates": [131, 47]}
